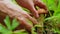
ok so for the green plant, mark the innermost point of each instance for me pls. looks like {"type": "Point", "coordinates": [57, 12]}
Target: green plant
{"type": "Point", "coordinates": [51, 23]}
{"type": "Point", "coordinates": [10, 27]}
{"type": "Point", "coordinates": [54, 20]}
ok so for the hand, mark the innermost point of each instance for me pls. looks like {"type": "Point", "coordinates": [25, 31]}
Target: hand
{"type": "Point", "coordinates": [15, 11]}
{"type": "Point", "coordinates": [30, 4]}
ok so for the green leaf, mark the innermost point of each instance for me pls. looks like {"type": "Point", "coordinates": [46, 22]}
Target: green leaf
{"type": "Point", "coordinates": [33, 31]}
{"type": "Point", "coordinates": [59, 5]}
{"type": "Point", "coordinates": [7, 22]}
{"type": "Point", "coordinates": [15, 23]}
{"type": "Point", "coordinates": [57, 12]}
{"type": "Point", "coordinates": [2, 28]}
{"type": "Point", "coordinates": [7, 32]}
{"type": "Point", "coordinates": [20, 32]}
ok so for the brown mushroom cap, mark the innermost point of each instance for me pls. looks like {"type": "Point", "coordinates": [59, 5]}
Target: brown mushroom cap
{"type": "Point", "coordinates": [42, 11]}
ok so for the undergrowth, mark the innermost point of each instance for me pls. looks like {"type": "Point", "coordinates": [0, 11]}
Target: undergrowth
{"type": "Point", "coordinates": [49, 25]}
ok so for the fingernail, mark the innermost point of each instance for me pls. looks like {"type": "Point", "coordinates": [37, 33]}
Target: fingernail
{"type": "Point", "coordinates": [36, 16]}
